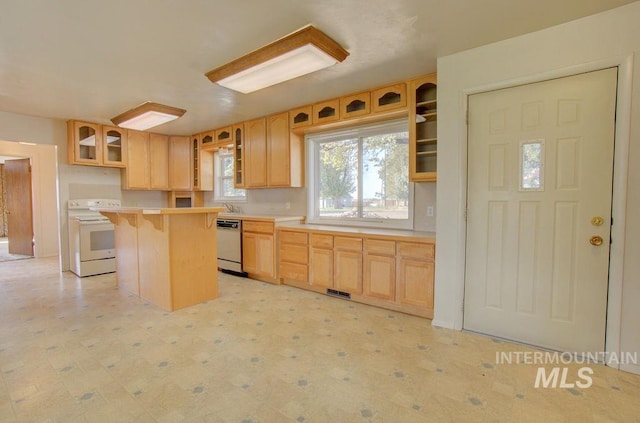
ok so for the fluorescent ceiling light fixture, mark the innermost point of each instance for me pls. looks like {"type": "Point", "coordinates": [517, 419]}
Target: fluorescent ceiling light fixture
{"type": "Point", "coordinates": [299, 53]}
{"type": "Point", "coordinates": [147, 115]}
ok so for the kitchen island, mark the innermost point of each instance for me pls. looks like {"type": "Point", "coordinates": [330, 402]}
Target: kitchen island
{"type": "Point", "coordinates": [166, 256]}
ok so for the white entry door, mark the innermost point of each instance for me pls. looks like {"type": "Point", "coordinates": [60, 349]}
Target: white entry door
{"type": "Point", "coordinates": [540, 165]}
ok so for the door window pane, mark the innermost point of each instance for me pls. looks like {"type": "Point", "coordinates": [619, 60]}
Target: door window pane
{"type": "Point", "coordinates": [532, 165]}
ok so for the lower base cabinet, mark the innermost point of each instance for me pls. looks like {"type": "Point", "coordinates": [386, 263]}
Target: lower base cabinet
{"type": "Point", "coordinates": [385, 272]}
{"type": "Point", "coordinates": [258, 250]}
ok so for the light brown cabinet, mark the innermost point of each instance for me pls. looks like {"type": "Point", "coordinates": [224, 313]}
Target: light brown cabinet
{"type": "Point", "coordinates": [258, 250]}
{"type": "Point", "coordinates": [285, 160]}
{"type": "Point", "coordinates": [423, 129]}
{"type": "Point", "coordinates": [148, 167]}
{"type": "Point", "coordinates": [255, 141]}
{"type": "Point", "coordinates": [347, 271]}
{"type": "Point", "coordinates": [273, 155]}
{"type": "Point", "coordinates": [321, 261]}
{"type": "Point", "coordinates": [389, 98]}
{"type": "Point", "coordinates": [300, 117]}
{"type": "Point", "coordinates": [238, 156]}
{"type": "Point", "coordinates": [294, 257]}
{"type": "Point", "coordinates": [137, 176]}
{"type": "Point", "coordinates": [386, 271]}
{"type": "Point", "coordinates": [327, 111]}
{"type": "Point", "coordinates": [380, 269]}
{"type": "Point", "coordinates": [96, 145]}
{"type": "Point", "coordinates": [416, 274]}
{"type": "Point", "coordinates": [355, 105]}
{"type": "Point", "coordinates": [180, 163]}
{"type": "Point", "coordinates": [201, 167]}
{"type": "Point", "coordinates": [223, 137]}
{"type": "Point", "coordinates": [158, 162]}
{"type": "Point", "coordinates": [114, 146]}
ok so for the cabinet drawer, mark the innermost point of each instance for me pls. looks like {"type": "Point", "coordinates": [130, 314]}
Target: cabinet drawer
{"type": "Point", "coordinates": [321, 241]}
{"type": "Point", "coordinates": [415, 250]}
{"type": "Point", "coordinates": [263, 227]}
{"type": "Point", "coordinates": [381, 247]}
{"type": "Point", "coordinates": [348, 244]}
{"type": "Point", "coordinates": [294, 253]}
{"type": "Point", "coordinates": [293, 271]}
{"type": "Point", "coordinates": [288, 237]}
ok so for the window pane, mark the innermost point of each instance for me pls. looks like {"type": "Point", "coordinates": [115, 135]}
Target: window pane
{"type": "Point", "coordinates": [228, 189]}
{"type": "Point", "coordinates": [385, 176]}
{"type": "Point", "coordinates": [531, 165]}
{"type": "Point", "coordinates": [227, 165]}
{"type": "Point", "coordinates": [338, 178]}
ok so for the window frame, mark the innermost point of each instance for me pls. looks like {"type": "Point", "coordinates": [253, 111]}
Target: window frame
{"type": "Point", "coordinates": [219, 178]}
{"type": "Point", "coordinates": [313, 141]}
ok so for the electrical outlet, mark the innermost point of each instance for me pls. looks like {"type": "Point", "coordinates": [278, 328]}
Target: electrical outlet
{"type": "Point", "coordinates": [287, 205]}
{"type": "Point", "coordinates": [430, 211]}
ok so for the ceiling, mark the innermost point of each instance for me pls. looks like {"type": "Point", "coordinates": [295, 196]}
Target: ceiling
{"type": "Point", "coordinates": [92, 60]}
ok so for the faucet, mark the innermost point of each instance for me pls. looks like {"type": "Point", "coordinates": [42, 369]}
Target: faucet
{"type": "Point", "coordinates": [231, 208]}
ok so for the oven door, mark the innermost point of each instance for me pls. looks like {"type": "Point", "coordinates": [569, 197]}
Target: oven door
{"type": "Point", "coordinates": [97, 240]}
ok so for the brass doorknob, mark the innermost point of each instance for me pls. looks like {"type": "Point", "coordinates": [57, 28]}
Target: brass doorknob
{"type": "Point", "coordinates": [596, 240]}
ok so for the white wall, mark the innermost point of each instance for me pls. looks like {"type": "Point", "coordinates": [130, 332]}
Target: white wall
{"type": "Point", "coordinates": [612, 38]}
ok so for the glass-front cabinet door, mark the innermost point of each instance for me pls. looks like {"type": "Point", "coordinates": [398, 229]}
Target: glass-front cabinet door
{"type": "Point", "coordinates": [114, 146]}
{"type": "Point", "coordinates": [85, 143]}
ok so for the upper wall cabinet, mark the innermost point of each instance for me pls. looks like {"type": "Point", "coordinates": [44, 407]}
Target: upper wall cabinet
{"type": "Point", "coordinates": [224, 137]}
{"type": "Point", "coordinates": [206, 140]}
{"type": "Point", "coordinates": [300, 117]}
{"type": "Point", "coordinates": [423, 129]}
{"type": "Point", "coordinates": [327, 111]}
{"type": "Point", "coordinates": [389, 98]}
{"type": "Point", "coordinates": [273, 154]}
{"type": "Point", "coordinates": [96, 145]}
{"type": "Point", "coordinates": [355, 105]}
{"type": "Point", "coordinates": [238, 156]}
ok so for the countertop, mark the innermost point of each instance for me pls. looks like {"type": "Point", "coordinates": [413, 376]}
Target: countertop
{"type": "Point", "coordinates": [159, 210]}
{"type": "Point", "coordinates": [374, 232]}
{"type": "Point", "coordinates": [261, 217]}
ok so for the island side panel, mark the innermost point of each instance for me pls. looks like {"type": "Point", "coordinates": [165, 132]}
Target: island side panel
{"type": "Point", "coordinates": [193, 252]}
{"type": "Point", "coordinates": [153, 253]}
{"type": "Point", "coordinates": [126, 236]}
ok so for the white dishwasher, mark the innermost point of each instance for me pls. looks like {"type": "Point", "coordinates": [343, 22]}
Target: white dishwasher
{"type": "Point", "coordinates": [229, 237]}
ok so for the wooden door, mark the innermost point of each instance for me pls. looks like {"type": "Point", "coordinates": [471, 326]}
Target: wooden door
{"type": "Point", "coordinates": [379, 276]}
{"type": "Point", "coordinates": [348, 271]}
{"type": "Point", "coordinates": [321, 268]}
{"type": "Point", "coordinates": [249, 252]}
{"type": "Point", "coordinates": [278, 151]}
{"type": "Point", "coordinates": [159, 161]}
{"type": "Point", "coordinates": [255, 142]}
{"type": "Point", "coordinates": [539, 211]}
{"type": "Point", "coordinates": [19, 206]}
{"type": "Point", "coordinates": [180, 163]}
{"type": "Point", "coordinates": [137, 174]}
{"type": "Point", "coordinates": [415, 282]}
